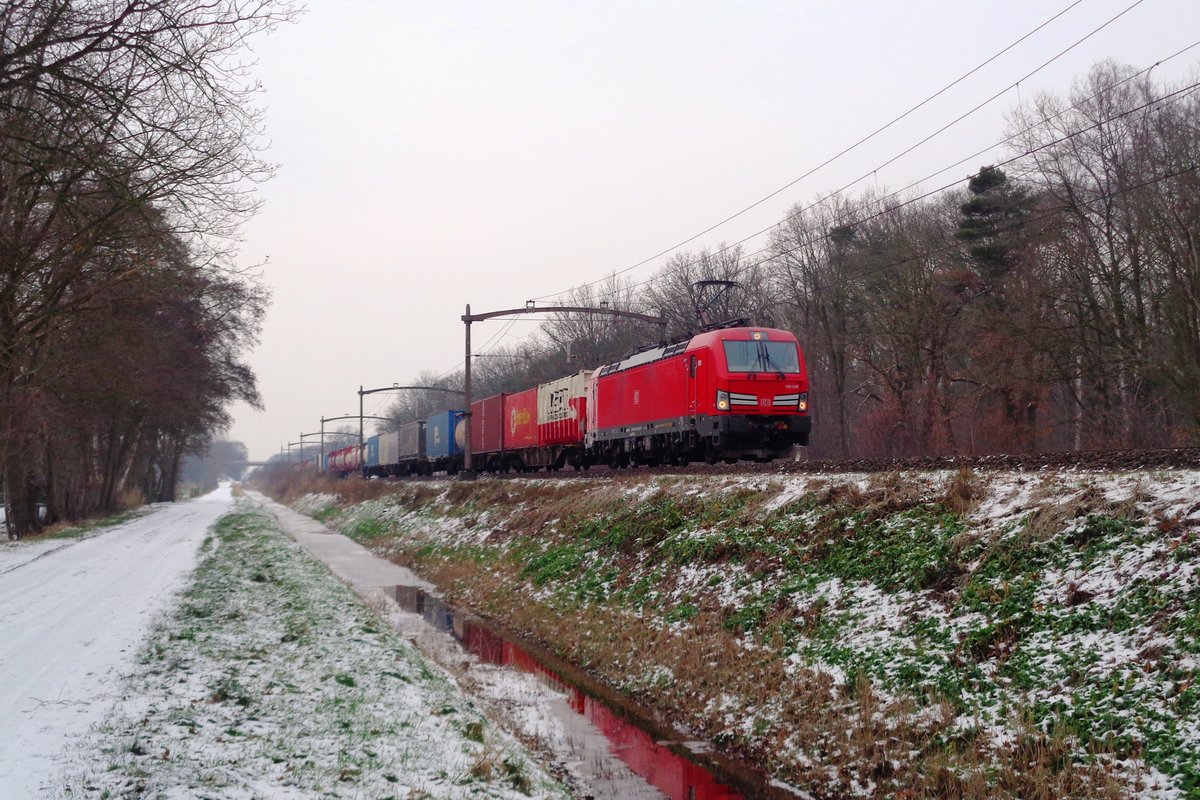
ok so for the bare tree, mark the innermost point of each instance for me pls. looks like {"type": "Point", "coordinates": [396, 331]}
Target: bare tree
{"type": "Point", "coordinates": [116, 120]}
{"type": "Point", "coordinates": [816, 282]}
{"type": "Point", "coordinates": [416, 404]}
{"type": "Point", "coordinates": [1116, 158]}
{"type": "Point", "coordinates": [585, 340]}
{"type": "Point", "coordinates": [673, 290]}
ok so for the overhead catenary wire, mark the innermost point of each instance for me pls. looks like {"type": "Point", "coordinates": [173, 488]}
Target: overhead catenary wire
{"type": "Point", "coordinates": [874, 171]}
{"type": "Point", "coordinates": [1049, 214]}
{"type": "Point", "coordinates": [1173, 96]}
{"type": "Point", "coordinates": [1046, 215]}
{"type": "Point", "coordinates": [1169, 97]}
{"type": "Point", "coordinates": [875, 133]}
{"type": "Point", "coordinates": [899, 192]}
{"type": "Point", "coordinates": [500, 335]}
{"type": "Point", "coordinates": [828, 197]}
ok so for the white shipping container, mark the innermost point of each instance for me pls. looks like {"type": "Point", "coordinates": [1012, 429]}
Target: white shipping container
{"type": "Point", "coordinates": [554, 398]}
{"type": "Point", "coordinates": [389, 448]}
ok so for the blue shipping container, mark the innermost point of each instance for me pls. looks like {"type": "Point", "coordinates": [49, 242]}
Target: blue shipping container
{"type": "Point", "coordinates": [440, 439]}
{"type": "Point", "coordinates": [372, 452]}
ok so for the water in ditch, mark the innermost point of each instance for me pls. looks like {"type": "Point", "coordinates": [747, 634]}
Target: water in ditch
{"type": "Point", "coordinates": [676, 768]}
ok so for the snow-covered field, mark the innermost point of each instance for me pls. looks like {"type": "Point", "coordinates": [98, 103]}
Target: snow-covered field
{"type": "Point", "coordinates": [73, 614]}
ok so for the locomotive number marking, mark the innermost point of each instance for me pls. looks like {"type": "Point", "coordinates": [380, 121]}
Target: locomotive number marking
{"type": "Point", "coordinates": [764, 401]}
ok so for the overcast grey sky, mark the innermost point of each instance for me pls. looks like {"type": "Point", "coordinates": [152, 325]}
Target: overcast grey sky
{"type": "Point", "coordinates": [433, 154]}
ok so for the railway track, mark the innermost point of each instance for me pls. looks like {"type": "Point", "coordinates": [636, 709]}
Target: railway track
{"type": "Point", "coordinates": [1092, 461]}
{"type": "Point", "coordinates": [1095, 461]}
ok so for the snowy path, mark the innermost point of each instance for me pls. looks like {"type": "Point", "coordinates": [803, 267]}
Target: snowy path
{"type": "Point", "coordinates": [71, 618]}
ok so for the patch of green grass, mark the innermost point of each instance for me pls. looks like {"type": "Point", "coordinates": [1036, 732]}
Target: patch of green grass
{"type": "Point", "coordinates": [326, 512]}
{"type": "Point", "coordinates": [681, 613]}
{"type": "Point", "coordinates": [748, 617]}
{"type": "Point", "coordinates": [83, 528]}
{"type": "Point", "coordinates": [555, 563]}
{"type": "Point", "coordinates": [911, 550]}
{"type": "Point", "coordinates": [991, 622]}
{"type": "Point", "coordinates": [366, 528]}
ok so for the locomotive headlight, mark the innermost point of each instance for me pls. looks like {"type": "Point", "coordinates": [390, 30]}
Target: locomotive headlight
{"type": "Point", "coordinates": [722, 400]}
{"type": "Point", "coordinates": [802, 405]}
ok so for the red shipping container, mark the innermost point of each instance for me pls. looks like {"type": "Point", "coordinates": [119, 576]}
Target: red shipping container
{"type": "Point", "coordinates": [487, 425]}
{"type": "Point", "coordinates": [520, 416]}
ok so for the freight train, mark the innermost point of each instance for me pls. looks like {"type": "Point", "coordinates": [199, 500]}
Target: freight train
{"type": "Point", "coordinates": [734, 393]}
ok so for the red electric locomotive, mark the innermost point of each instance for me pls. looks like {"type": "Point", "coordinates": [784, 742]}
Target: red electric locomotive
{"type": "Point", "coordinates": [726, 394]}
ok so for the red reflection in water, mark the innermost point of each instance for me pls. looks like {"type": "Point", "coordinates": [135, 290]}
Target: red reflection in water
{"type": "Point", "coordinates": [674, 775]}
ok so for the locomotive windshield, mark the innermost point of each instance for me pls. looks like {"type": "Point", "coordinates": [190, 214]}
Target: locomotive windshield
{"type": "Point", "coordinates": [762, 356]}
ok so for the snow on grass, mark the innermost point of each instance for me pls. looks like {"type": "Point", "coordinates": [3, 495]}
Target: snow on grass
{"type": "Point", "coordinates": [270, 680]}
{"type": "Point", "coordinates": [15, 554]}
{"type": "Point", "coordinates": [1063, 604]}
{"type": "Point", "coordinates": [314, 504]}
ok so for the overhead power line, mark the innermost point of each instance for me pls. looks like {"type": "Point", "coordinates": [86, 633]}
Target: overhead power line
{"type": "Point", "coordinates": [1176, 95]}
{"type": "Point", "coordinates": [869, 173]}
{"type": "Point", "coordinates": [870, 136]}
{"type": "Point", "coordinates": [1170, 97]}
{"type": "Point", "coordinates": [1049, 214]}
{"type": "Point", "coordinates": [1046, 215]}
{"type": "Point", "coordinates": [501, 334]}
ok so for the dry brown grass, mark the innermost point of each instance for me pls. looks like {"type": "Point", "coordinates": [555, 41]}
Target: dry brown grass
{"type": "Point", "coordinates": [963, 491]}
{"type": "Point", "coordinates": [131, 498]}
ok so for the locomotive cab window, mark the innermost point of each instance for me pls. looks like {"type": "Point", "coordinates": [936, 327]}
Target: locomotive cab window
{"type": "Point", "coordinates": [762, 356]}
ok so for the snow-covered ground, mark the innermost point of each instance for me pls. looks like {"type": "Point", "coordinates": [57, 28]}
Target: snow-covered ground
{"type": "Point", "coordinates": [1028, 605]}
{"type": "Point", "coordinates": [530, 704]}
{"type": "Point", "coordinates": [73, 614]}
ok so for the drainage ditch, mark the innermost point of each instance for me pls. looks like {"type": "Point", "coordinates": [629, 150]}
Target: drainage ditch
{"type": "Point", "coordinates": [677, 767]}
